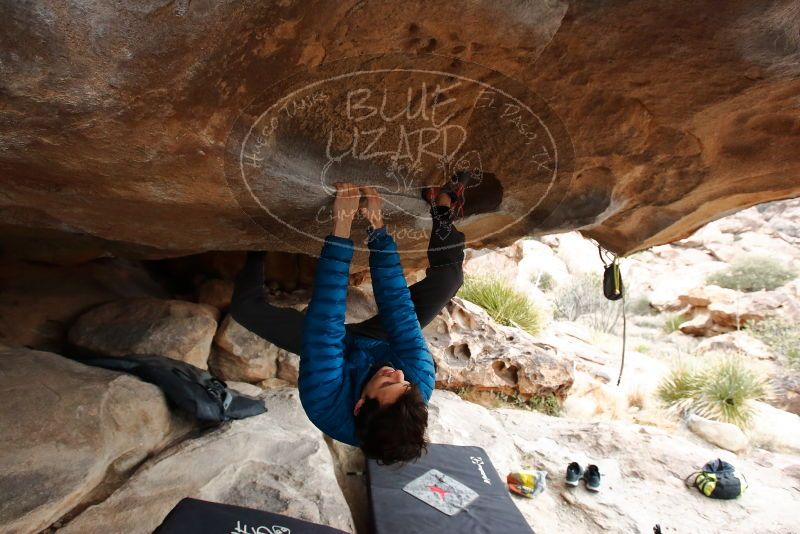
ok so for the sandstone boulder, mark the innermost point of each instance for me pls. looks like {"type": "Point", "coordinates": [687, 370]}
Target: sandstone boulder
{"type": "Point", "coordinates": [749, 307]}
{"type": "Point", "coordinates": [277, 461]}
{"type": "Point", "coordinates": [288, 367]}
{"type": "Point", "coordinates": [710, 233]}
{"type": "Point", "coordinates": [664, 297]}
{"type": "Point", "coordinates": [663, 281]}
{"type": "Point", "coordinates": [725, 435]}
{"type": "Point", "coordinates": [350, 463]}
{"type": "Point", "coordinates": [578, 254]}
{"type": "Point", "coordinates": [702, 296]}
{"type": "Point", "coordinates": [361, 303]}
{"type": "Point", "coordinates": [575, 341]}
{"type": "Point", "coordinates": [774, 429]}
{"type": "Point", "coordinates": [784, 219]}
{"type": "Point", "coordinates": [71, 433]}
{"type": "Point", "coordinates": [539, 259]}
{"type": "Point", "coordinates": [765, 230]}
{"type": "Point", "coordinates": [757, 242]}
{"type": "Point", "coordinates": [239, 354]}
{"type": "Point", "coordinates": [701, 324]}
{"type": "Point", "coordinates": [737, 341]}
{"type": "Point", "coordinates": [713, 310]}
{"type": "Point", "coordinates": [216, 292]}
{"type": "Point", "coordinates": [498, 263]}
{"type": "Point", "coordinates": [173, 328]}
{"type": "Point", "coordinates": [471, 350]}
{"type": "Point", "coordinates": [38, 302]}
{"type": "Point", "coordinates": [787, 391]}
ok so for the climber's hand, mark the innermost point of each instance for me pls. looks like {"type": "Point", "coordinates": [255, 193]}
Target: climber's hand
{"type": "Point", "coordinates": [345, 207]}
{"type": "Point", "coordinates": [371, 207]}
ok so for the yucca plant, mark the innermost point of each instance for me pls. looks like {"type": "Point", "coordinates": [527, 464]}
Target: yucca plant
{"type": "Point", "coordinates": [681, 386]}
{"type": "Point", "coordinates": [727, 390]}
{"type": "Point", "coordinates": [722, 389]}
{"type": "Point", "coordinates": [503, 303]}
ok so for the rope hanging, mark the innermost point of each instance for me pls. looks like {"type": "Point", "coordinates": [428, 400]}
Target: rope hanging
{"type": "Point", "coordinates": [613, 289]}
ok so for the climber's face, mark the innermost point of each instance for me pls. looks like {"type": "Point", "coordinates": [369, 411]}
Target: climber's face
{"type": "Point", "coordinates": [386, 386]}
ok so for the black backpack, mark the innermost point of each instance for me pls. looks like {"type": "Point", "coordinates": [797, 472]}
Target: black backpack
{"type": "Point", "coordinates": [189, 388]}
{"type": "Point", "coordinates": [719, 480]}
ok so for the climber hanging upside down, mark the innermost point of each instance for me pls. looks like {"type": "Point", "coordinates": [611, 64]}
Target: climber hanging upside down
{"type": "Point", "coordinates": [368, 383]}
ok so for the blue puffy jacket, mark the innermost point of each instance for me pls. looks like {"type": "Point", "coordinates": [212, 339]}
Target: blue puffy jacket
{"type": "Point", "coordinates": [334, 363]}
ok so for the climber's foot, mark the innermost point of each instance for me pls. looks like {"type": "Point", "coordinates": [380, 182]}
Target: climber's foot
{"type": "Point", "coordinates": [443, 199]}
{"type": "Point", "coordinates": [455, 190]}
{"type": "Point", "coordinates": [431, 195]}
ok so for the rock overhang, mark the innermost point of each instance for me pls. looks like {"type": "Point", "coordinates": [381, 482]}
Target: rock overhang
{"type": "Point", "coordinates": [127, 149]}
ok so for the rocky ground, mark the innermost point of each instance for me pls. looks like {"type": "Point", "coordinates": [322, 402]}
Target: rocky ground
{"type": "Point", "coordinates": [85, 448]}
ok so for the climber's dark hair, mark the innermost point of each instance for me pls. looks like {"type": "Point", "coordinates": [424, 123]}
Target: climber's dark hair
{"type": "Point", "coordinates": [394, 433]}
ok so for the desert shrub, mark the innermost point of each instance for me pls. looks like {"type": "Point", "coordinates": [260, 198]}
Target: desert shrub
{"type": "Point", "coordinates": [637, 398]}
{"type": "Point", "coordinates": [639, 306]}
{"type": "Point", "coordinates": [727, 391]}
{"type": "Point", "coordinates": [781, 336]}
{"type": "Point", "coordinates": [503, 303]}
{"type": "Point", "coordinates": [583, 297]}
{"type": "Point", "coordinates": [752, 273]}
{"type": "Point", "coordinates": [547, 404]}
{"type": "Point", "coordinates": [673, 322]}
{"type": "Point", "coordinates": [722, 389]}
{"type": "Point", "coordinates": [543, 280]}
{"type": "Point", "coordinates": [642, 348]}
{"type": "Point", "coordinates": [681, 385]}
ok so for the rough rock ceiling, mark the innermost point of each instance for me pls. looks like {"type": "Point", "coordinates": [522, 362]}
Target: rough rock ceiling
{"type": "Point", "coordinates": [127, 128]}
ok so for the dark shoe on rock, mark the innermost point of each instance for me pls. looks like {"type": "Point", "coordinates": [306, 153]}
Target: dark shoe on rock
{"type": "Point", "coordinates": [574, 474]}
{"type": "Point", "coordinates": [592, 478]}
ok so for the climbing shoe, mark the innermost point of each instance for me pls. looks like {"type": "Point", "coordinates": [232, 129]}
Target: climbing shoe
{"type": "Point", "coordinates": [574, 474]}
{"type": "Point", "coordinates": [430, 194]}
{"type": "Point", "coordinates": [455, 189]}
{"type": "Point", "coordinates": [592, 478]}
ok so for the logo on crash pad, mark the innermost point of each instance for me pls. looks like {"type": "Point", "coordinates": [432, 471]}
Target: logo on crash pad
{"type": "Point", "coordinates": [441, 491]}
{"type": "Point", "coordinates": [261, 529]}
{"type": "Point", "coordinates": [398, 123]}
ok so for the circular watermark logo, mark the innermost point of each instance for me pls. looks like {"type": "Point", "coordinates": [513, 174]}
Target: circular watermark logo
{"type": "Point", "coordinates": [399, 123]}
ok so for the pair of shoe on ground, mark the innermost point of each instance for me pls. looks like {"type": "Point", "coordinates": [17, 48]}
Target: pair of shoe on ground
{"type": "Point", "coordinates": [591, 475]}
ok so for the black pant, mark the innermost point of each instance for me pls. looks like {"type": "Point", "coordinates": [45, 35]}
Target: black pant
{"type": "Point", "coordinates": [284, 326]}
